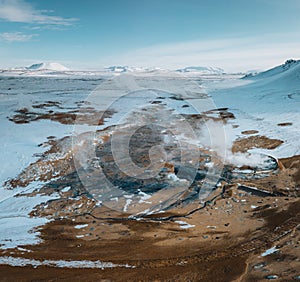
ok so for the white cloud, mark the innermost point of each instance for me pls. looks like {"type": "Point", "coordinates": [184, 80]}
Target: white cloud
{"type": "Point", "coordinates": [16, 36]}
{"type": "Point", "coordinates": [23, 12]}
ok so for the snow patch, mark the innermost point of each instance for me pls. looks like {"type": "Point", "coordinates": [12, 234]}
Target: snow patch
{"type": "Point", "coordinates": [184, 225]}
{"type": "Point", "coordinates": [269, 251]}
{"type": "Point", "coordinates": [22, 262]}
{"type": "Point", "coordinates": [80, 226]}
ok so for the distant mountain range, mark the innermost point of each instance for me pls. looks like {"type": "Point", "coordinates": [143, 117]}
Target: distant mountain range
{"type": "Point", "coordinates": [192, 69]}
{"type": "Point", "coordinates": [125, 69]}
{"type": "Point", "coordinates": [202, 70]}
{"type": "Point", "coordinates": [289, 71]}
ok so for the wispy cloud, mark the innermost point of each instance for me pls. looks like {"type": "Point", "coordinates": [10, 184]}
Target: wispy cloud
{"type": "Point", "coordinates": [23, 12]}
{"type": "Point", "coordinates": [236, 53]}
{"type": "Point", "coordinates": [16, 36]}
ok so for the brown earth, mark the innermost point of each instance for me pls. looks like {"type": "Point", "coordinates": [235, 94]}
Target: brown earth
{"type": "Point", "coordinates": [223, 246]}
{"type": "Point", "coordinates": [224, 242]}
{"type": "Point", "coordinates": [244, 144]}
{"type": "Point", "coordinates": [293, 165]}
{"type": "Point", "coordinates": [249, 132]}
{"type": "Point", "coordinates": [285, 124]}
{"type": "Point", "coordinates": [86, 115]}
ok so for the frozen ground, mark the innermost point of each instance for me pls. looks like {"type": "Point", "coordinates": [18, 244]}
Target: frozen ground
{"type": "Point", "coordinates": [258, 103]}
{"type": "Point", "coordinates": [20, 148]}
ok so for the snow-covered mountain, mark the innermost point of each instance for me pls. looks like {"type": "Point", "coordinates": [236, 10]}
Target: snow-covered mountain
{"type": "Point", "coordinates": [47, 66]}
{"type": "Point", "coordinates": [201, 70]}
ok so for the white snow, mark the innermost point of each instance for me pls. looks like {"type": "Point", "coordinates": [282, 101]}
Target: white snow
{"type": "Point", "coordinates": [269, 251]}
{"type": "Point", "coordinates": [201, 70]}
{"type": "Point", "coordinates": [21, 262]}
{"type": "Point", "coordinates": [56, 69]}
{"type": "Point", "coordinates": [262, 103]}
{"type": "Point", "coordinates": [127, 69]}
{"type": "Point", "coordinates": [19, 144]}
{"type": "Point", "coordinates": [285, 72]}
{"type": "Point", "coordinates": [184, 225]}
{"type": "Point", "coordinates": [127, 204]}
{"type": "Point", "coordinates": [47, 66]}
{"type": "Point", "coordinates": [17, 227]}
{"type": "Point", "coordinates": [211, 227]}
{"type": "Point", "coordinates": [66, 189]}
{"type": "Point", "coordinates": [173, 177]}
{"type": "Point", "coordinates": [144, 196]}
{"type": "Point", "coordinates": [80, 226]}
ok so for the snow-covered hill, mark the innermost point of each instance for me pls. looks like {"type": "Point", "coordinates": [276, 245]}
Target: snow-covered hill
{"type": "Point", "coordinates": [264, 101]}
{"type": "Point", "coordinates": [287, 73]}
{"type": "Point", "coordinates": [201, 70]}
{"type": "Point", "coordinates": [47, 66]}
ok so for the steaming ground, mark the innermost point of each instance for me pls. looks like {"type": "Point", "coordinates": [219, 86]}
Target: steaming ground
{"type": "Point", "coordinates": [247, 226]}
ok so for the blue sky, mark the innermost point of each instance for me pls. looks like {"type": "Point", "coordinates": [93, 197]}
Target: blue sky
{"type": "Point", "coordinates": [236, 35]}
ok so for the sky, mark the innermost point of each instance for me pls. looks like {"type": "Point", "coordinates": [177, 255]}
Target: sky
{"type": "Point", "coordinates": [236, 35]}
